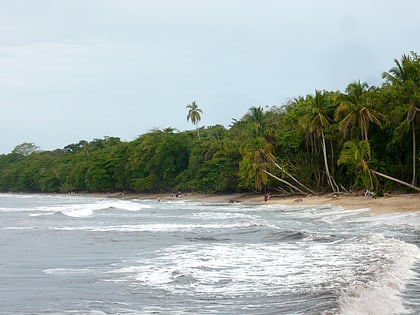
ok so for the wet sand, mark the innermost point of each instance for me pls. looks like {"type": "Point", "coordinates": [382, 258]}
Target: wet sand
{"type": "Point", "coordinates": [380, 205]}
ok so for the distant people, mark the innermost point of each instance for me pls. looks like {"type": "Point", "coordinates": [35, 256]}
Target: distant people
{"type": "Point", "coordinates": [266, 197]}
{"type": "Point", "coordinates": [369, 193]}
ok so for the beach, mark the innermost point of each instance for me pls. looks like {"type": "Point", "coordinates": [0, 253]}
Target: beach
{"type": "Point", "coordinates": [390, 203]}
{"type": "Point", "coordinates": [208, 254]}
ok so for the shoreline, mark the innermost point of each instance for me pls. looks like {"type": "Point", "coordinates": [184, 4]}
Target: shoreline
{"type": "Point", "coordinates": [391, 203]}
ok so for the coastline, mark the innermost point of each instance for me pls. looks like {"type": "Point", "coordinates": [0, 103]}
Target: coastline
{"type": "Point", "coordinates": [391, 203]}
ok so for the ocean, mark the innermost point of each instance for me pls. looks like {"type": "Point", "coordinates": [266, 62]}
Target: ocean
{"type": "Point", "coordinates": [90, 255]}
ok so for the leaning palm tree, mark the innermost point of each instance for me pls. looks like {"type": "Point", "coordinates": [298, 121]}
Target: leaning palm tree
{"type": "Point", "coordinates": [355, 154]}
{"type": "Point", "coordinates": [405, 78]}
{"type": "Point", "coordinates": [256, 165]}
{"type": "Point", "coordinates": [315, 121]}
{"type": "Point", "coordinates": [354, 108]}
{"type": "Point", "coordinates": [194, 114]}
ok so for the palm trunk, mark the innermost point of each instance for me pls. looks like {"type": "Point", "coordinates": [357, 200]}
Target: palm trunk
{"type": "Point", "coordinates": [324, 151]}
{"type": "Point", "coordinates": [284, 181]}
{"type": "Point", "coordinates": [198, 131]}
{"type": "Point", "coordinates": [296, 181]}
{"type": "Point", "coordinates": [396, 180]}
{"type": "Point", "coordinates": [413, 180]}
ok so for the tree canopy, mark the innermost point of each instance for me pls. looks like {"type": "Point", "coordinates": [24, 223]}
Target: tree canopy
{"type": "Point", "coordinates": [328, 141]}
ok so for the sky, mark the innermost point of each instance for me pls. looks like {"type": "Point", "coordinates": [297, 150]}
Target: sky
{"type": "Point", "coordinates": [74, 70]}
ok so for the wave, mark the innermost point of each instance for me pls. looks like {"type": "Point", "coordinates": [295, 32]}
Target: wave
{"type": "Point", "coordinates": [80, 210]}
{"type": "Point", "coordinates": [66, 271]}
{"type": "Point", "coordinates": [360, 276]}
{"type": "Point", "coordinates": [150, 227]}
{"type": "Point", "coordinates": [67, 205]}
{"type": "Point", "coordinates": [44, 214]}
{"type": "Point", "coordinates": [381, 293]}
{"type": "Point", "coordinates": [208, 239]}
{"type": "Point", "coordinates": [163, 227]}
{"type": "Point", "coordinates": [217, 215]}
{"type": "Point", "coordinates": [312, 258]}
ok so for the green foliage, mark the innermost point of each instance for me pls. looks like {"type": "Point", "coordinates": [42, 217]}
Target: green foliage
{"type": "Point", "coordinates": [25, 149]}
{"type": "Point", "coordinates": [321, 140]}
{"type": "Point", "coordinates": [355, 155]}
{"type": "Point", "coordinates": [213, 163]}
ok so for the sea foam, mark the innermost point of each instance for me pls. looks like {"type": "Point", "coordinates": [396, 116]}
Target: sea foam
{"type": "Point", "coordinates": [381, 293]}
{"type": "Point", "coordinates": [80, 210]}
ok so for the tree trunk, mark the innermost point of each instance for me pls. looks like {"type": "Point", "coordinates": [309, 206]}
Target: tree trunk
{"type": "Point", "coordinates": [296, 181]}
{"type": "Point", "coordinates": [198, 131]}
{"type": "Point", "coordinates": [413, 128]}
{"type": "Point", "coordinates": [284, 181]}
{"type": "Point", "coordinates": [324, 151]}
{"type": "Point", "coordinates": [396, 180]}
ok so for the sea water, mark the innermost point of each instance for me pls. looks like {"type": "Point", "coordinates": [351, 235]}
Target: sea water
{"type": "Point", "coordinates": [89, 255]}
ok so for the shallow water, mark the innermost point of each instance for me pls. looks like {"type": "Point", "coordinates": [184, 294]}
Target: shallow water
{"type": "Point", "coordinates": [86, 255]}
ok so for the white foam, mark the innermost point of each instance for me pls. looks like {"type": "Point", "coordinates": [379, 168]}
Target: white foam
{"type": "Point", "coordinates": [127, 205]}
{"type": "Point", "coordinates": [229, 269]}
{"type": "Point", "coordinates": [19, 228]}
{"type": "Point", "coordinates": [73, 210]}
{"type": "Point", "coordinates": [162, 227]}
{"type": "Point", "coordinates": [42, 214]}
{"type": "Point", "coordinates": [381, 295]}
{"type": "Point", "coordinates": [13, 209]}
{"type": "Point", "coordinates": [81, 210]}
{"type": "Point", "coordinates": [369, 270]}
{"type": "Point", "coordinates": [220, 215]}
{"type": "Point", "coordinates": [66, 271]}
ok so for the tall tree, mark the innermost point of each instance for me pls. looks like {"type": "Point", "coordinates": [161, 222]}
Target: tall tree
{"type": "Point", "coordinates": [355, 109]}
{"type": "Point", "coordinates": [25, 149]}
{"type": "Point", "coordinates": [405, 77]}
{"type": "Point", "coordinates": [259, 122]}
{"type": "Point", "coordinates": [194, 114]}
{"type": "Point", "coordinates": [315, 121]}
{"type": "Point", "coordinates": [254, 133]}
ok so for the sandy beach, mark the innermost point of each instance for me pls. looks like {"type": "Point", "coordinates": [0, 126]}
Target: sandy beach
{"type": "Point", "coordinates": [381, 205]}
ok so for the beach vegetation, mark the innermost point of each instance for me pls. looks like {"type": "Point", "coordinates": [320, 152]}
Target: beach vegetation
{"type": "Point", "coordinates": [330, 141]}
{"type": "Point", "coordinates": [404, 82]}
{"type": "Point", "coordinates": [315, 122]}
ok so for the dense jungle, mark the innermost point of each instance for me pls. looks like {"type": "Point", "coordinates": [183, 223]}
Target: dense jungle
{"type": "Point", "coordinates": [362, 138]}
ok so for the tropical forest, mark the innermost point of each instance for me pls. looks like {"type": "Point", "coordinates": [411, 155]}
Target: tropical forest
{"type": "Point", "coordinates": [362, 138]}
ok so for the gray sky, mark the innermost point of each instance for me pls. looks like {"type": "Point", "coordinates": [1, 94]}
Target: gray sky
{"type": "Point", "coordinates": [74, 70]}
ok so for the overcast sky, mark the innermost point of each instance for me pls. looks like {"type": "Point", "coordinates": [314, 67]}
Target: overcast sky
{"type": "Point", "coordinates": [74, 70]}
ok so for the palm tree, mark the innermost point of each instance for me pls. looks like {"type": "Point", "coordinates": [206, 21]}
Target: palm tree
{"type": "Point", "coordinates": [355, 154]}
{"type": "Point", "coordinates": [315, 121]}
{"type": "Point", "coordinates": [194, 114]}
{"type": "Point", "coordinates": [256, 135]}
{"type": "Point", "coordinates": [259, 122]}
{"type": "Point", "coordinates": [405, 77]}
{"type": "Point", "coordinates": [355, 108]}
{"type": "Point", "coordinates": [256, 164]}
